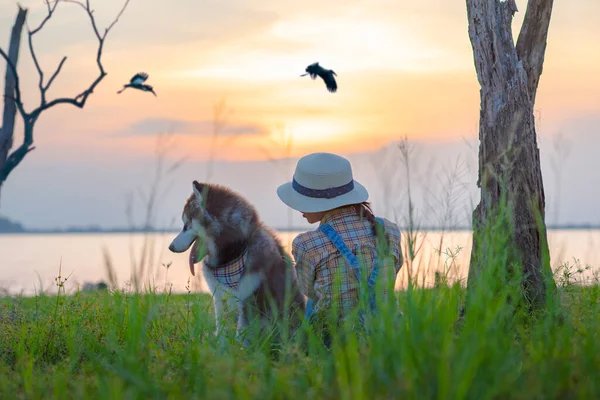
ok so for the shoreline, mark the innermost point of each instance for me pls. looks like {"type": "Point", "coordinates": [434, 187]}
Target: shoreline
{"type": "Point", "coordinates": [281, 229]}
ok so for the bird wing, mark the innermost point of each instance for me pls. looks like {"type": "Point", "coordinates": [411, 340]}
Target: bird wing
{"type": "Point", "coordinates": [139, 78]}
{"type": "Point", "coordinates": [329, 81]}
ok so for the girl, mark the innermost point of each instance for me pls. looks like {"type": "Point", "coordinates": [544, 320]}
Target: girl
{"type": "Point", "coordinates": [324, 190]}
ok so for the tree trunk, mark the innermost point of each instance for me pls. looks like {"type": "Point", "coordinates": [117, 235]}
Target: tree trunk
{"type": "Point", "coordinates": [10, 110]}
{"type": "Point", "coordinates": [510, 176]}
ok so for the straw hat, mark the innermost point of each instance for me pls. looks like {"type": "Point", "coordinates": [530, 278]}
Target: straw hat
{"type": "Point", "coordinates": [322, 182]}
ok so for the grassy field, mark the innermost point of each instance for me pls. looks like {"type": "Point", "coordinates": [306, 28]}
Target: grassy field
{"type": "Point", "coordinates": [156, 345]}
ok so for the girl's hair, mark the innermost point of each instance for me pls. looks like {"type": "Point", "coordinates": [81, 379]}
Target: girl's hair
{"type": "Point", "coordinates": [364, 210]}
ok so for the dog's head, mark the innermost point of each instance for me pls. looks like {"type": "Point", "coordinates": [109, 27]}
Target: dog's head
{"type": "Point", "coordinates": [213, 217]}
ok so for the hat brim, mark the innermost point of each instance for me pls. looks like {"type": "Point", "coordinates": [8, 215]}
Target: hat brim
{"type": "Point", "coordinates": [302, 203]}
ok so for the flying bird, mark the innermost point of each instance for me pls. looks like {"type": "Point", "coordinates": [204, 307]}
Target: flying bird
{"type": "Point", "coordinates": [327, 75]}
{"type": "Point", "coordinates": [137, 82]}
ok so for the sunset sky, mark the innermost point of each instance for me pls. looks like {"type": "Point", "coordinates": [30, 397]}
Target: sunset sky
{"type": "Point", "coordinates": [404, 69]}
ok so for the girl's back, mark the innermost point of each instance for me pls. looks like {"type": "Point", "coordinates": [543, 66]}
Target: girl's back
{"type": "Point", "coordinates": [323, 271]}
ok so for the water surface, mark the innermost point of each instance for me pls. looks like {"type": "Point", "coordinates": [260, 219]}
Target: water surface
{"type": "Point", "coordinates": [29, 262]}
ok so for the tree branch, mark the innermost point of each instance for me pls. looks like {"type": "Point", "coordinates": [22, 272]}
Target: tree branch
{"type": "Point", "coordinates": [48, 16]}
{"type": "Point", "coordinates": [80, 99]}
{"type": "Point", "coordinates": [32, 51]}
{"type": "Point", "coordinates": [14, 159]}
{"type": "Point", "coordinates": [493, 47]}
{"type": "Point", "coordinates": [13, 92]}
{"type": "Point", "coordinates": [55, 74]}
{"type": "Point", "coordinates": [531, 43]}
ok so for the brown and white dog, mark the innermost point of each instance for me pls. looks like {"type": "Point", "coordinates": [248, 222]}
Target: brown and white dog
{"type": "Point", "coordinates": [244, 264]}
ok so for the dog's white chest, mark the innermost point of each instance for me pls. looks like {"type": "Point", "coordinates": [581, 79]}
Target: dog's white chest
{"type": "Point", "coordinates": [229, 301]}
{"type": "Point", "coordinates": [232, 282]}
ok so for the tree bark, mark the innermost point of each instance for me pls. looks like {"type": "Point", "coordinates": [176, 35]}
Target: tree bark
{"type": "Point", "coordinates": [10, 109]}
{"type": "Point", "coordinates": [510, 176]}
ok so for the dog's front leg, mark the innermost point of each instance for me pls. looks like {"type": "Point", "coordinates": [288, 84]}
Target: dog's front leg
{"type": "Point", "coordinates": [242, 324]}
{"type": "Point", "coordinates": [246, 288]}
{"type": "Point", "coordinates": [219, 302]}
{"type": "Point", "coordinates": [221, 311]}
{"type": "Point", "coordinates": [225, 313]}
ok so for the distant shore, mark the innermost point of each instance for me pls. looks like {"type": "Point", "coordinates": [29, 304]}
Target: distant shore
{"type": "Point", "coordinates": [91, 230]}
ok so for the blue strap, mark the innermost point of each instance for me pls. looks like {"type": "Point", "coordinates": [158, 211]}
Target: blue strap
{"type": "Point", "coordinates": [309, 308]}
{"type": "Point", "coordinates": [338, 242]}
{"type": "Point", "coordinates": [352, 261]}
{"type": "Point", "coordinates": [375, 272]}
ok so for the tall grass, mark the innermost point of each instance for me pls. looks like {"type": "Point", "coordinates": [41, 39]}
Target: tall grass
{"type": "Point", "coordinates": [443, 191]}
{"type": "Point", "coordinates": [149, 343]}
{"type": "Point", "coordinates": [221, 115]}
{"type": "Point", "coordinates": [152, 344]}
{"type": "Point", "coordinates": [145, 263]}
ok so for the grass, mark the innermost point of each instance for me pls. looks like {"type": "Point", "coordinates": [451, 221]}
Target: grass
{"type": "Point", "coordinates": [153, 344]}
{"type": "Point", "coordinates": [114, 344]}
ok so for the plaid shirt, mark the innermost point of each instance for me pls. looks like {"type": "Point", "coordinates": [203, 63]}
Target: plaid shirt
{"type": "Point", "coordinates": [318, 261]}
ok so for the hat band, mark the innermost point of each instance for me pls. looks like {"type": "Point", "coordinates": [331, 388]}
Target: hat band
{"type": "Point", "coordinates": [328, 193]}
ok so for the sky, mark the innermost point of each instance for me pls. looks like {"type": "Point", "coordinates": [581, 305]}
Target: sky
{"type": "Point", "coordinates": [404, 69]}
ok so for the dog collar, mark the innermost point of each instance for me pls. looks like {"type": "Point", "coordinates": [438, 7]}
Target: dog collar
{"type": "Point", "coordinates": [230, 274]}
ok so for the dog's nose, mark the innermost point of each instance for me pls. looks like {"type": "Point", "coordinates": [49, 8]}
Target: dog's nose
{"type": "Point", "coordinates": [171, 247]}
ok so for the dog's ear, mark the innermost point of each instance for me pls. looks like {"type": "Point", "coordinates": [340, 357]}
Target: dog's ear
{"type": "Point", "coordinates": [198, 193]}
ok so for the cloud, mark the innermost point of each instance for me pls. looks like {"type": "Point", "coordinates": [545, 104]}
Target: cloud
{"type": "Point", "coordinates": [151, 24]}
{"type": "Point", "coordinates": [155, 126]}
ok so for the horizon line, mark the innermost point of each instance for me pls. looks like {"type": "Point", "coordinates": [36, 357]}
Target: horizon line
{"type": "Point", "coordinates": [93, 229]}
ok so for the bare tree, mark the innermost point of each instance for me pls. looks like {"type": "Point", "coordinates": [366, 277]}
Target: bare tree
{"type": "Point", "coordinates": [12, 89]}
{"type": "Point", "coordinates": [510, 176]}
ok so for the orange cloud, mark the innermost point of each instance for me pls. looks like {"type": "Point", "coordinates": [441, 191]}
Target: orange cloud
{"type": "Point", "coordinates": [403, 69]}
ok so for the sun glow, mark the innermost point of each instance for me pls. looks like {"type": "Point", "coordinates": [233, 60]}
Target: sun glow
{"type": "Point", "coordinates": [317, 130]}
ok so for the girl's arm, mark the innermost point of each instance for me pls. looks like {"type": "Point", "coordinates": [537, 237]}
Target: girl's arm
{"type": "Point", "coordinates": [304, 268]}
{"type": "Point", "coordinates": [396, 244]}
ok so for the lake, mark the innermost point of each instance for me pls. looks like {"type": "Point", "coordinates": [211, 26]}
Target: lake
{"type": "Point", "coordinates": [29, 262]}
